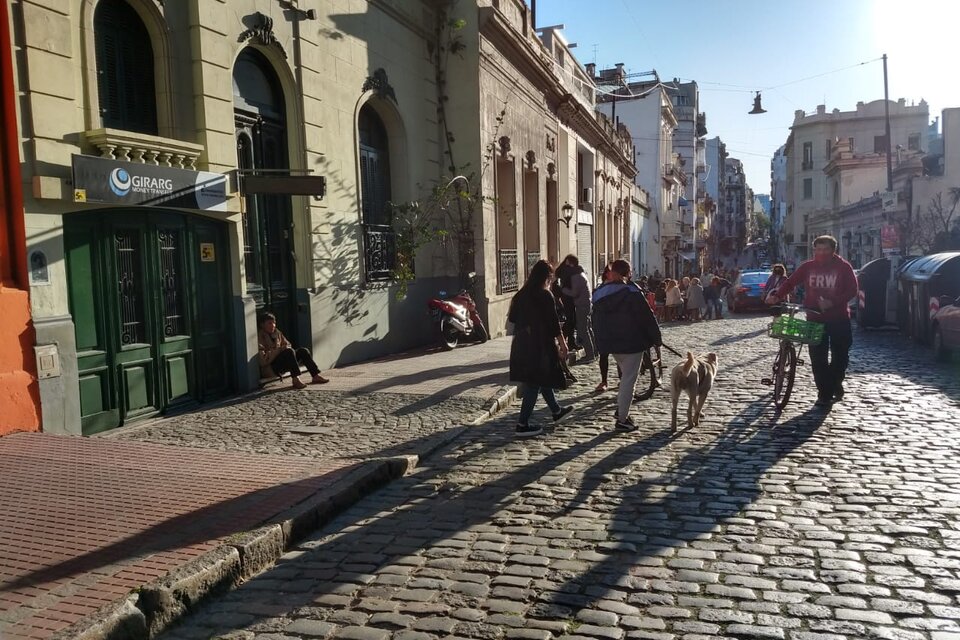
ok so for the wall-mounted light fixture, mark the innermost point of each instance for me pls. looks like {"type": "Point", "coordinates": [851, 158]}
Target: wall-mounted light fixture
{"type": "Point", "coordinates": [567, 214]}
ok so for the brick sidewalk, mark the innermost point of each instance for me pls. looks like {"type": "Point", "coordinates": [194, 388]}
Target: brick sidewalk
{"type": "Point", "coordinates": [89, 521]}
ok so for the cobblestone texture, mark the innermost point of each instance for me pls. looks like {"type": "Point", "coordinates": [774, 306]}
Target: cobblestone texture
{"type": "Point", "coordinates": [334, 424]}
{"type": "Point", "coordinates": [804, 526]}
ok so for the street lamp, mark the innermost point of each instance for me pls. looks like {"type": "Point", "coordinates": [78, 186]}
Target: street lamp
{"type": "Point", "coordinates": [567, 214]}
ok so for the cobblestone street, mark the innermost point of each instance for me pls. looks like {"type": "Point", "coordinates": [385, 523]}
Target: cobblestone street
{"type": "Point", "coordinates": [807, 526]}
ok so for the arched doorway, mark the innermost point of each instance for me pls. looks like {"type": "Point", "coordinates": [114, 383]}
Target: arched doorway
{"type": "Point", "coordinates": [259, 116]}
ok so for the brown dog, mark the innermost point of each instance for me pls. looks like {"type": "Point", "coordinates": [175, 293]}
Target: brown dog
{"type": "Point", "coordinates": [695, 376]}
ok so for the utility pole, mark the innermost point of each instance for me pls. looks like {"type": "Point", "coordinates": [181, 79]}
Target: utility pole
{"type": "Point", "coordinates": [886, 109]}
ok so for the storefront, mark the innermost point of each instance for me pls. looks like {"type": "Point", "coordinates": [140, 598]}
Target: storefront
{"type": "Point", "coordinates": [148, 288]}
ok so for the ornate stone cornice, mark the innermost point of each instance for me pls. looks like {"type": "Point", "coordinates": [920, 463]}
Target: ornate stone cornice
{"type": "Point", "coordinates": [261, 32]}
{"type": "Point", "coordinates": [379, 84]}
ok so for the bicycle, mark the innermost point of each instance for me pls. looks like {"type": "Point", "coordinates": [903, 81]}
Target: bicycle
{"type": "Point", "coordinates": [790, 331]}
{"type": "Point", "coordinates": [652, 363]}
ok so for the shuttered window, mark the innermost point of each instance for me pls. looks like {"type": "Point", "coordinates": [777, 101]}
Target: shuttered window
{"type": "Point", "coordinates": [125, 74]}
{"type": "Point", "coordinates": [374, 168]}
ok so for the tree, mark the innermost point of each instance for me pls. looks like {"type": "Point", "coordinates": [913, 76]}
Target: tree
{"type": "Point", "coordinates": [938, 227]}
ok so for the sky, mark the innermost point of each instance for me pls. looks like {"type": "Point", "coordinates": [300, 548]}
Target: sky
{"type": "Point", "coordinates": [735, 47]}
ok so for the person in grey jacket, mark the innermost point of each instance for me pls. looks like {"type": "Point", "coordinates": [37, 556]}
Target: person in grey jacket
{"type": "Point", "coordinates": [578, 289]}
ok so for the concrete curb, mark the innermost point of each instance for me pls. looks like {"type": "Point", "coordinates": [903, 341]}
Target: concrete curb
{"type": "Point", "coordinates": [155, 606]}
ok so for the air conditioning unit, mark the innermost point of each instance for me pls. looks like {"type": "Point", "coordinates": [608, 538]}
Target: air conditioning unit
{"type": "Point", "coordinates": [587, 196]}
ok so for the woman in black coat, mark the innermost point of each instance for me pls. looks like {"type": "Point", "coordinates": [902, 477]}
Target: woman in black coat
{"type": "Point", "coordinates": [538, 347]}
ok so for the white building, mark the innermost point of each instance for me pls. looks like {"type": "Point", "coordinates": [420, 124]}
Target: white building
{"type": "Point", "coordinates": [646, 108]}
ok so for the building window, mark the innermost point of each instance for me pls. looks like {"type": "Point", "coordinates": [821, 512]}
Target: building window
{"type": "Point", "coordinates": [913, 142]}
{"type": "Point", "coordinates": [879, 144]}
{"type": "Point", "coordinates": [125, 81]}
{"type": "Point", "coordinates": [828, 148]}
{"type": "Point", "coordinates": [807, 188]}
{"type": "Point", "coordinates": [379, 239]}
{"type": "Point", "coordinates": [807, 155]}
{"type": "Point", "coordinates": [852, 146]}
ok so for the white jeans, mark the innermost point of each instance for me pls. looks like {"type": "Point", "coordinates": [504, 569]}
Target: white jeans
{"type": "Point", "coordinates": [630, 368]}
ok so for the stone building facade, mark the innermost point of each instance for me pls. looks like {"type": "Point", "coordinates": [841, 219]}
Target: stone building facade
{"type": "Point", "coordinates": [557, 177]}
{"type": "Point", "coordinates": [190, 165]}
{"type": "Point", "coordinates": [809, 150]}
{"type": "Point", "coordinates": [172, 156]}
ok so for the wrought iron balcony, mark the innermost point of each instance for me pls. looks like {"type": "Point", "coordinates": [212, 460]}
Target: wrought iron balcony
{"type": "Point", "coordinates": [507, 270]}
{"type": "Point", "coordinates": [532, 258]}
{"type": "Point", "coordinates": [379, 252]}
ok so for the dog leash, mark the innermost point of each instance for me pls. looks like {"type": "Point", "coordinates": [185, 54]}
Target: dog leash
{"type": "Point", "coordinates": [673, 351]}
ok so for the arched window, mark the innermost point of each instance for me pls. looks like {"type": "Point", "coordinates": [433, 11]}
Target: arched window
{"type": "Point", "coordinates": [374, 167]}
{"type": "Point", "coordinates": [125, 80]}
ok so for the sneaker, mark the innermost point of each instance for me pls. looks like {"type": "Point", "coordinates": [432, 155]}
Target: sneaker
{"type": "Point", "coordinates": [838, 394]}
{"type": "Point", "coordinates": [526, 431]}
{"type": "Point", "coordinates": [823, 402]}
{"type": "Point", "coordinates": [601, 388]}
{"type": "Point", "coordinates": [625, 425]}
{"type": "Point", "coordinates": [563, 413]}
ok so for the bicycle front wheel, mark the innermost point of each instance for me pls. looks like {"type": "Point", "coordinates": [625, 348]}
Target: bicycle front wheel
{"type": "Point", "coordinates": [651, 370]}
{"type": "Point", "coordinates": [784, 371]}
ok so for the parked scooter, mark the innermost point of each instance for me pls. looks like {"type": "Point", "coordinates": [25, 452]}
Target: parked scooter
{"type": "Point", "coordinates": [456, 317]}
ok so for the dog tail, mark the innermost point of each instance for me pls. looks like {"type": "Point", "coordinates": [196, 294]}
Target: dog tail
{"type": "Point", "coordinates": [689, 364]}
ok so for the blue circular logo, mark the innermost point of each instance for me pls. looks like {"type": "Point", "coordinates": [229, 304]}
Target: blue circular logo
{"type": "Point", "coordinates": [120, 182]}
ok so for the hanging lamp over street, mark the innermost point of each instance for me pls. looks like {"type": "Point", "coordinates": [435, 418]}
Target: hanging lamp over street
{"type": "Point", "coordinates": [757, 108]}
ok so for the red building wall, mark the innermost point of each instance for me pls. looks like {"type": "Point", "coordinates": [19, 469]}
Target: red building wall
{"type": "Point", "coordinates": [19, 394]}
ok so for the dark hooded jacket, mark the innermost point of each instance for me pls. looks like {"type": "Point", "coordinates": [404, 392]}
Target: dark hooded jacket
{"type": "Point", "coordinates": [622, 319]}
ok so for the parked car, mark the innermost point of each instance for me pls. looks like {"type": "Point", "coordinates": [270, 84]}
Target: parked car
{"type": "Point", "coordinates": [747, 291]}
{"type": "Point", "coordinates": [946, 328]}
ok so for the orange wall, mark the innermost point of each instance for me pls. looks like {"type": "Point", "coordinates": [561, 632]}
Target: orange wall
{"type": "Point", "coordinates": [19, 392]}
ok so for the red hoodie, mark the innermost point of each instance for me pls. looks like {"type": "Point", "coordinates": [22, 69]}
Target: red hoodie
{"type": "Point", "coordinates": [832, 279]}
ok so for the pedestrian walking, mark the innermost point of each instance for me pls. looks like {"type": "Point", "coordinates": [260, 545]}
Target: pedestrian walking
{"type": "Point", "coordinates": [674, 300]}
{"type": "Point", "coordinates": [609, 276]}
{"type": "Point", "coordinates": [711, 298]}
{"type": "Point", "coordinates": [626, 329]}
{"type": "Point", "coordinates": [777, 277]}
{"type": "Point", "coordinates": [569, 321]}
{"type": "Point", "coordinates": [277, 356]}
{"type": "Point", "coordinates": [695, 300]}
{"type": "Point", "coordinates": [830, 283]}
{"type": "Point", "coordinates": [577, 287]}
{"type": "Point", "coordinates": [538, 348]}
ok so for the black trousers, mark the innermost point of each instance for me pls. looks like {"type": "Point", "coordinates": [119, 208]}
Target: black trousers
{"type": "Point", "coordinates": [289, 361]}
{"type": "Point", "coordinates": [830, 358]}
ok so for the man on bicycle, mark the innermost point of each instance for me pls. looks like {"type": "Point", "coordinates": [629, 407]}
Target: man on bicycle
{"type": "Point", "coordinates": [626, 328]}
{"type": "Point", "coordinates": [830, 283]}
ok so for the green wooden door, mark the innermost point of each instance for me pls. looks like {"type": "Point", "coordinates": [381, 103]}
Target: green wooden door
{"type": "Point", "coordinates": [134, 325]}
{"type": "Point", "coordinates": [211, 322]}
{"type": "Point", "coordinates": [86, 271]}
{"type": "Point", "coordinates": [148, 295]}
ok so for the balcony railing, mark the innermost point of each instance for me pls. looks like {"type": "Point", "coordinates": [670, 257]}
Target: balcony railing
{"type": "Point", "coordinates": [380, 252]}
{"type": "Point", "coordinates": [140, 147]}
{"type": "Point", "coordinates": [532, 258]}
{"type": "Point", "coordinates": [805, 166]}
{"type": "Point", "coordinates": [507, 270]}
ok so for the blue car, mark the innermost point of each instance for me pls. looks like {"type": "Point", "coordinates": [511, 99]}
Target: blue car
{"type": "Point", "coordinates": [748, 291]}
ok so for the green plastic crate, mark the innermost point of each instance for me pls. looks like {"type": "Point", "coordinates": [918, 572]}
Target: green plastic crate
{"type": "Point", "coordinates": [796, 330]}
